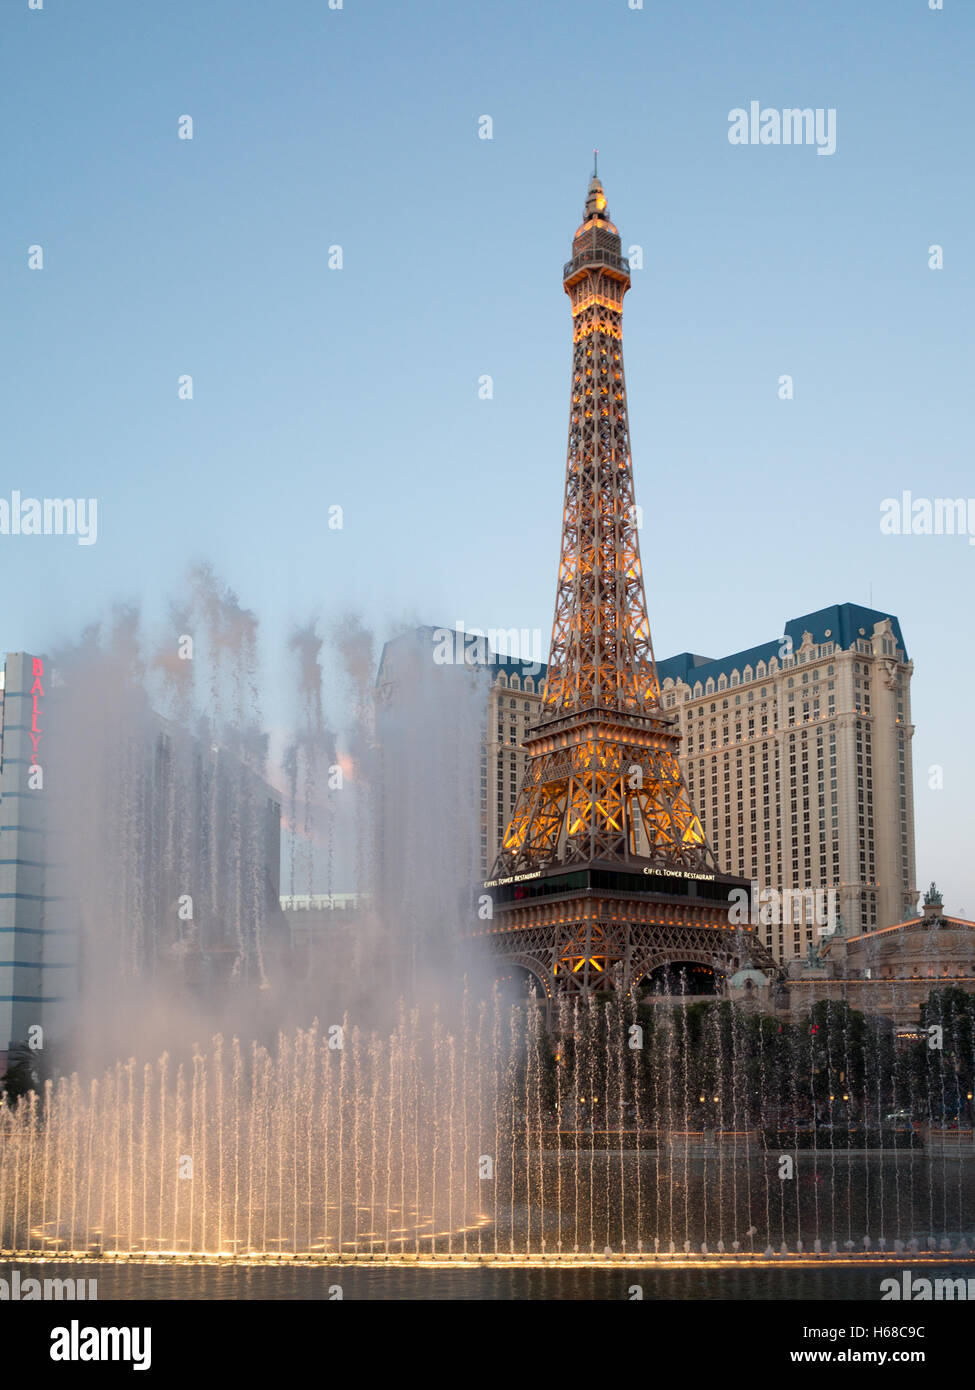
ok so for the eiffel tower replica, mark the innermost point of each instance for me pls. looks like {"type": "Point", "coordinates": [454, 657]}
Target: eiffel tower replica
{"type": "Point", "coordinates": [605, 879]}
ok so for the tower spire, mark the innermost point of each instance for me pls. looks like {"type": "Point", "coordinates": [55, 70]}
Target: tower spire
{"type": "Point", "coordinates": [596, 205]}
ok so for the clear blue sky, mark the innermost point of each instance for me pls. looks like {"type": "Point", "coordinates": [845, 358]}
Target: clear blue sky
{"type": "Point", "coordinates": [359, 387]}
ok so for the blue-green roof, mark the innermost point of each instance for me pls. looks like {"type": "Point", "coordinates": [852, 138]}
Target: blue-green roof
{"type": "Point", "coordinates": [842, 621]}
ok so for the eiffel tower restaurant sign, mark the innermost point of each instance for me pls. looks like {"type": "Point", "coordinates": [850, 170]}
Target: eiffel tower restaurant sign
{"type": "Point", "coordinates": [605, 879]}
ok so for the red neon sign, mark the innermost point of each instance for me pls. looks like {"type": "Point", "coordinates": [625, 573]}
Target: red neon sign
{"type": "Point", "coordinates": [36, 690]}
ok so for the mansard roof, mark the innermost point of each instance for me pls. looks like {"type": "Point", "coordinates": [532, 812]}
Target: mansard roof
{"type": "Point", "coordinates": [845, 624]}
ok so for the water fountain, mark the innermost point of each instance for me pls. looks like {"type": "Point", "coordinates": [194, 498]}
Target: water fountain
{"type": "Point", "coordinates": [644, 1135]}
{"type": "Point", "coordinates": [456, 1127]}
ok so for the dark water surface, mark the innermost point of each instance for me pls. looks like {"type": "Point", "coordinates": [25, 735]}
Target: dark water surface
{"type": "Point", "coordinates": [208, 1282]}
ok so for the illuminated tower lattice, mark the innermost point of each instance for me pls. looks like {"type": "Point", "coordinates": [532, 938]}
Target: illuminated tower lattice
{"type": "Point", "coordinates": [605, 879]}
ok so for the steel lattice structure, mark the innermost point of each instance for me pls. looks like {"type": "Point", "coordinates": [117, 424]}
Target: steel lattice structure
{"type": "Point", "coordinates": [603, 788]}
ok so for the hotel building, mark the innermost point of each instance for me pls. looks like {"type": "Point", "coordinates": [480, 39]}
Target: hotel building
{"type": "Point", "coordinates": [38, 960]}
{"type": "Point", "coordinates": [128, 848]}
{"type": "Point", "coordinates": [797, 755]}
